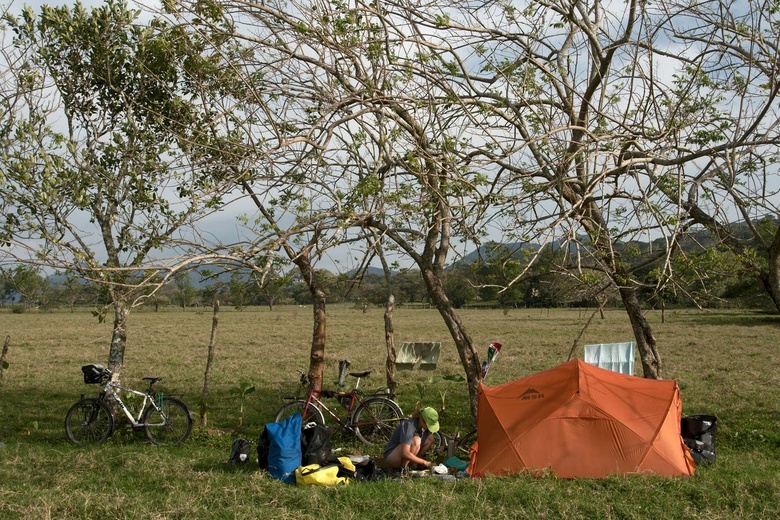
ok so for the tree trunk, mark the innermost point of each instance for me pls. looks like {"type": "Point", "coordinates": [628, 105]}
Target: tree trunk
{"type": "Point", "coordinates": [209, 362]}
{"type": "Point", "coordinates": [317, 356]}
{"type": "Point", "coordinates": [116, 353]}
{"type": "Point", "coordinates": [317, 352]}
{"type": "Point", "coordinates": [615, 267]}
{"type": "Point", "coordinates": [643, 332]}
{"type": "Point", "coordinates": [2, 356]}
{"type": "Point", "coordinates": [392, 385]}
{"type": "Point", "coordinates": [431, 263]}
{"type": "Point", "coordinates": [303, 262]}
{"type": "Point", "coordinates": [463, 342]}
{"type": "Point", "coordinates": [773, 275]}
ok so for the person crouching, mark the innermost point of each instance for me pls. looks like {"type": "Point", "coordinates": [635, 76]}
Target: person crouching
{"type": "Point", "coordinates": [412, 439]}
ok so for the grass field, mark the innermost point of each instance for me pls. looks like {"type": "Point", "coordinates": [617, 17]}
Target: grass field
{"type": "Point", "coordinates": [725, 361]}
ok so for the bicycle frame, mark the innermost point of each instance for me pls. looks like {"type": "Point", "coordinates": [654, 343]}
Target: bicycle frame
{"type": "Point", "coordinates": [314, 397]}
{"type": "Point", "coordinates": [112, 390]}
{"type": "Point", "coordinates": [355, 400]}
{"type": "Point", "coordinates": [371, 418]}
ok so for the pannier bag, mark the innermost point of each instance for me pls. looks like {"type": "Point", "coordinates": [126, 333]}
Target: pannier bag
{"type": "Point", "coordinates": [316, 475]}
{"type": "Point", "coordinates": [315, 444]}
{"type": "Point", "coordinates": [239, 452]}
{"type": "Point", "coordinates": [284, 450]}
{"type": "Point", "coordinates": [93, 374]}
{"type": "Point", "coordinates": [346, 467]}
{"type": "Point", "coordinates": [340, 471]}
{"type": "Point", "coordinates": [698, 433]}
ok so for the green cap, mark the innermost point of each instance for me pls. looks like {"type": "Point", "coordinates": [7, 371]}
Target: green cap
{"type": "Point", "coordinates": [431, 418]}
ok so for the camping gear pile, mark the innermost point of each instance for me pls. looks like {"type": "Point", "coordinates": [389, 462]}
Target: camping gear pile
{"type": "Point", "coordinates": [302, 455]}
{"type": "Point", "coordinates": [573, 420]}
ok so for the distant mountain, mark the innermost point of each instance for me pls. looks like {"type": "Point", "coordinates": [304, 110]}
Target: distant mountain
{"type": "Point", "coordinates": [198, 277]}
{"type": "Point", "coordinates": [487, 251]}
{"type": "Point", "coordinates": [696, 239]}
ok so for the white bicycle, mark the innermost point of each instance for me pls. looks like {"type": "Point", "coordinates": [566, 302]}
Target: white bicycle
{"type": "Point", "coordinates": [164, 419]}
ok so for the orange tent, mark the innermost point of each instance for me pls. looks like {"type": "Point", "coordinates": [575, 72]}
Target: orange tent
{"type": "Point", "coordinates": [579, 420]}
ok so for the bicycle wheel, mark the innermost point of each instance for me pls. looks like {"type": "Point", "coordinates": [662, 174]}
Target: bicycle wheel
{"type": "Point", "coordinates": [463, 446]}
{"type": "Point", "coordinates": [313, 414]}
{"type": "Point", "coordinates": [89, 422]}
{"type": "Point", "coordinates": [375, 420]}
{"type": "Point", "coordinates": [170, 424]}
{"type": "Point", "coordinates": [439, 443]}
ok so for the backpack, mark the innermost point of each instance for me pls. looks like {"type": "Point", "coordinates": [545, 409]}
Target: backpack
{"type": "Point", "coordinates": [284, 450]}
{"type": "Point", "coordinates": [315, 444]}
{"type": "Point", "coordinates": [239, 452]}
{"type": "Point", "coordinates": [369, 471]}
{"type": "Point", "coordinates": [698, 433]}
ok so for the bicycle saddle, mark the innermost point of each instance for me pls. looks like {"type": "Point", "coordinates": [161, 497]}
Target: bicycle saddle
{"type": "Point", "coordinates": [152, 380]}
{"type": "Point", "coordinates": [360, 374]}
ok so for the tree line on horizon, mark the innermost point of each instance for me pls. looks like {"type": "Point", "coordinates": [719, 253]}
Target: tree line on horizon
{"type": "Point", "coordinates": [475, 280]}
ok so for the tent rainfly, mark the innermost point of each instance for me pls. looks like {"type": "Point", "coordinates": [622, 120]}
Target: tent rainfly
{"type": "Point", "coordinates": [578, 420]}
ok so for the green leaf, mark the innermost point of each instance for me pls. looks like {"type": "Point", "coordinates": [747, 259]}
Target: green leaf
{"type": "Point", "coordinates": [242, 389]}
{"type": "Point", "coordinates": [421, 390]}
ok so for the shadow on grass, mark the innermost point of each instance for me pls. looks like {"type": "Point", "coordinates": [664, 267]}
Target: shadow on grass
{"type": "Point", "coordinates": [746, 319]}
{"type": "Point", "coordinates": [750, 428]}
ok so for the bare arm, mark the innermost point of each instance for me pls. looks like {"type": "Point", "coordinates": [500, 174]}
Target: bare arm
{"type": "Point", "coordinates": [407, 454]}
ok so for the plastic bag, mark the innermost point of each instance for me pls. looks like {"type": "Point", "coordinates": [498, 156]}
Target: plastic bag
{"type": "Point", "coordinates": [315, 444]}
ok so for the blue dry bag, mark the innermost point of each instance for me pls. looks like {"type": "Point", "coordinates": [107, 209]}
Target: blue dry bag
{"type": "Point", "coordinates": [284, 452]}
